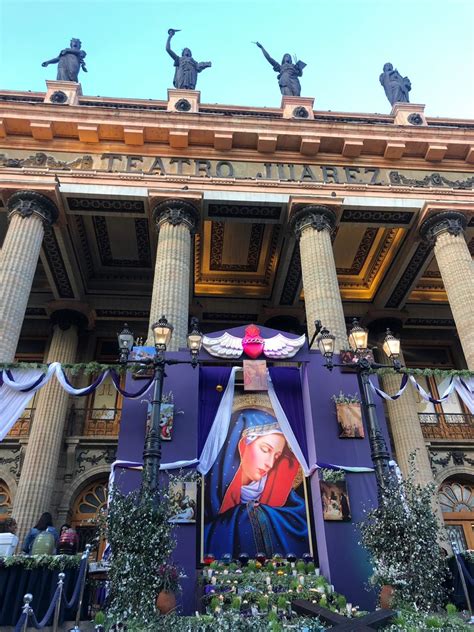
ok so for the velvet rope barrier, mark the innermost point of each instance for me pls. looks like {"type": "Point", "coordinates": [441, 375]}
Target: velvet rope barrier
{"type": "Point", "coordinates": [34, 621]}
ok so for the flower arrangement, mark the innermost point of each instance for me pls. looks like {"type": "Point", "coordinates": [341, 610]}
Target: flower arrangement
{"type": "Point", "coordinates": [331, 476]}
{"type": "Point", "coordinates": [169, 575]}
{"type": "Point", "coordinates": [346, 398]}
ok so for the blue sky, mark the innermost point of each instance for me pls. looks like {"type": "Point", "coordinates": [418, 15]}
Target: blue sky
{"type": "Point", "coordinates": [344, 43]}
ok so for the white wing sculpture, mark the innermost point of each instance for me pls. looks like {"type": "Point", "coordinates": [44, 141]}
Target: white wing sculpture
{"type": "Point", "coordinates": [226, 346]}
{"type": "Point", "coordinates": [279, 346]}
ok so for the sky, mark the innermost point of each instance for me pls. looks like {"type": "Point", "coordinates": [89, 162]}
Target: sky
{"type": "Point", "coordinates": [344, 43]}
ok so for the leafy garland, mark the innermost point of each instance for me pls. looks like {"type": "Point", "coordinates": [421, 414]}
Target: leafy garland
{"type": "Point", "coordinates": [49, 562]}
{"type": "Point", "coordinates": [97, 367]}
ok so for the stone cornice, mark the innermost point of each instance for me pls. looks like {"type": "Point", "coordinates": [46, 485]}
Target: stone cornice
{"type": "Point", "coordinates": [346, 135]}
{"type": "Point", "coordinates": [28, 203]}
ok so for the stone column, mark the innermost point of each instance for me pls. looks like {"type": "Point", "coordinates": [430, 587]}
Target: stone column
{"type": "Point", "coordinates": [28, 211]}
{"type": "Point", "coordinates": [405, 426]}
{"type": "Point", "coordinates": [38, 474]}
{"type": "Point", "coordinates": [445, 231]}
{"type": "Point", "coordinates": [176, 221]}
{"type": "Point", "coordinates": [313, 226]}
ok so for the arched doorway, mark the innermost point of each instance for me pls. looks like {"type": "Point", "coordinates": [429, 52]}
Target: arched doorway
{"type": "Point", "coordinates": [90, 501]}
{"type": "Point", "coordinates": [456, 499]}
{"type": "Point", "coordinates": [5, 501]}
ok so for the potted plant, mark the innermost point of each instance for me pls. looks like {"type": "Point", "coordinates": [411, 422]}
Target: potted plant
{"type": "Point", "coordinates": [169, 585]}
{"type": "Point", "coordinates": [349, 415]}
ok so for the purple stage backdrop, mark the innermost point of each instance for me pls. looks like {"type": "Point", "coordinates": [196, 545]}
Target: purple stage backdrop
{"type": "Point", "coordinates": [341, 558]}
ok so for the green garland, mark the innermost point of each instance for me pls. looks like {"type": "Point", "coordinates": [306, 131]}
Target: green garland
{"type": "Point", "coordinates": [49, 562]}
{"type": "Point", "coordinates": [98, 367]}
{"type": "Point", "coordinates": [87, 368]}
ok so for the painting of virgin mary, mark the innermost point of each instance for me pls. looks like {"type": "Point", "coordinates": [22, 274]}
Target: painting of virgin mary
{"type": "Point", "coordinates": [254, 499]}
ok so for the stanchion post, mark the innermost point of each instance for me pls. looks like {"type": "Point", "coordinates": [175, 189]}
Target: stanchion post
{"type": "Point", "coordinates": [85, 555]}
{"type": "Point", "coordinates": [61, 577]}
{"type": "Point", "coordinates": [27, 609]}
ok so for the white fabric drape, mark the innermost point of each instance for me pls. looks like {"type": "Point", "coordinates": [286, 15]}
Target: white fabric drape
{"type": "Point", "coordinates": [465, 390]}
{"type": "Point", "coordinates": [13, 402]}
{"type": "Point", "coordinates": [220, 427]}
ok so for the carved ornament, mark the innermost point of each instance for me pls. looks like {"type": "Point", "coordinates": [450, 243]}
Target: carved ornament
{"type": "Point", "coordinates": [450, 222]}
{"type": "Point", "coordinates": [28, 203]}
{"type": "Point", "coordinates": [176, 212]}
{"type": "Point", "coordinates": [312, 216]}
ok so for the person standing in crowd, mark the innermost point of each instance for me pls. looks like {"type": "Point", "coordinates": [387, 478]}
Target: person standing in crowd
{"type": "Point", "coordinates": [44, 525]}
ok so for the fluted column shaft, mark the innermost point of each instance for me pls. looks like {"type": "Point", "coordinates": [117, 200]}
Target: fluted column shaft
{"type": "Point", "coordinates": [446, 231]}
{"type": "Point", "coordinates": [28, 211]}
{"type": "Point", "coordinates": [176, 221]}
{"type": "Point", "coordinates": [313, 226]}
{"type": "Point", "coordinates": [405, 426]}
{"type": "Point", "coordinates": [38, 474]}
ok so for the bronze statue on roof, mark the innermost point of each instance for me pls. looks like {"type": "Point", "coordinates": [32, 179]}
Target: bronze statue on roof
{"type": "Point", "coordinates": [70, 61]}
{"type": "Point", "coordinates": [288, 72]}
{"type": "Point", "coordinates": [187, 68]}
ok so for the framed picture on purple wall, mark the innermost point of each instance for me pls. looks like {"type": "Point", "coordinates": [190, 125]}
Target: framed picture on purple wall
{"type": "Point", "coordinates": [185, 494]}
{"type": "Point", "coordinates": [335, 500]}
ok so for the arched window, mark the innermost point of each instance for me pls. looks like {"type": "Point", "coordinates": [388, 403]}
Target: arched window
{"type": "Point", "coordinates": [456, 499]}
{"type": "Point", "coordinates": [5, 501]}
{"type": "Point", "coordinates": [86, 509]}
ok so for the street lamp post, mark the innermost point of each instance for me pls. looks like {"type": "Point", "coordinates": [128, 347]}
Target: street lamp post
{"type": "Point", "coordinates": [358, 337]}
{"type": "Point", "coordinates": [162, 332]}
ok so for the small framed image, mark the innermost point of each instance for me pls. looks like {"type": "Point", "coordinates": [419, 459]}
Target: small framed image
{"type": "Point", "coordinates": [255, 375]}
{"type": "Point", "coordinates": [335, 500]}
{"type": "Point", "coordinates": [185, 494]}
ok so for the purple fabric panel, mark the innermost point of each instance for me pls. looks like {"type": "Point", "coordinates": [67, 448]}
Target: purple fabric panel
{"type": "Point", "coordinates": [287, 385]}
{"type": "Point", "coordinates": [209, 398]}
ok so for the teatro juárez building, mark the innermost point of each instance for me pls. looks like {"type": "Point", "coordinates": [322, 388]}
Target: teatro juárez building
{"type": "Point", "coordinates": [122, 210]}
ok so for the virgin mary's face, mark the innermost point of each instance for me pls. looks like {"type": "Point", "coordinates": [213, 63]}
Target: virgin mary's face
{"type": "Point", "coordinates": [260, 456]}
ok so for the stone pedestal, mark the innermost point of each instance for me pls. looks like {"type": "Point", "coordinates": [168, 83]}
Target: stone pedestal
{"type": "Point", "coordinates": [176, 221]}
{"type": "Point", "coordinates": [445, 231]}
{"type": "Point", "coordinates": [28, 211]}
{"type": "Point", "coordinates": [63, 92]}
{"type": "Point", "coordinates": [38, 474]}
{"type": "Point", "coordinates": [412, 114]}
{"type": "Point", "coordinates": [183, 100]}
{"type": "Point", "coordinates": [297, 107]}
{"type": "Point", "coordinates": [313, 226]}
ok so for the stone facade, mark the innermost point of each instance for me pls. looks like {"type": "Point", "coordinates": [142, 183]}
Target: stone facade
{"type": "Point", "coordinates": [262, 218]}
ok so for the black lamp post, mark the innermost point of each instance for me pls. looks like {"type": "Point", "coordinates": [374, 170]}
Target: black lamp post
{"type": "Point", "coordinates": [363, 365]}
{"type": "Point", "coordinates": [162, 332]}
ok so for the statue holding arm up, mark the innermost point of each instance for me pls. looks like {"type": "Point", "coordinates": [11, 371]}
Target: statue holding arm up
{"type": "Point", "coordinates": [288, 73]}
{"type": "Point", "coordinates": [69, 61]}
{"type": "Point", "coordinates": [187, 69]}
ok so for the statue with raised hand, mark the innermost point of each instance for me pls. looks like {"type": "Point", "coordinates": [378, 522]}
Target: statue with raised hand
{"type": "Point", "coordinates": [187, 69]}
{"type": "Point", "coordinates": [288, 72]}
{"type": "Point", "coordinates": [396, 87]}
{"type": "Point", "coordinates": [70, 61]}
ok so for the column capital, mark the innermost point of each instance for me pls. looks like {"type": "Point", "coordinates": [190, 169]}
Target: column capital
{"type": "Point", "coordinates": [312, 216]}
{"type": "Point", "coordinates": [176, 212]}
{"type": "Point", "coordinates": [28, 203]}
{"type": "Point", "coordinates": [451, 222]}
{"type": "Point", "coordinates": [67, 318]}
